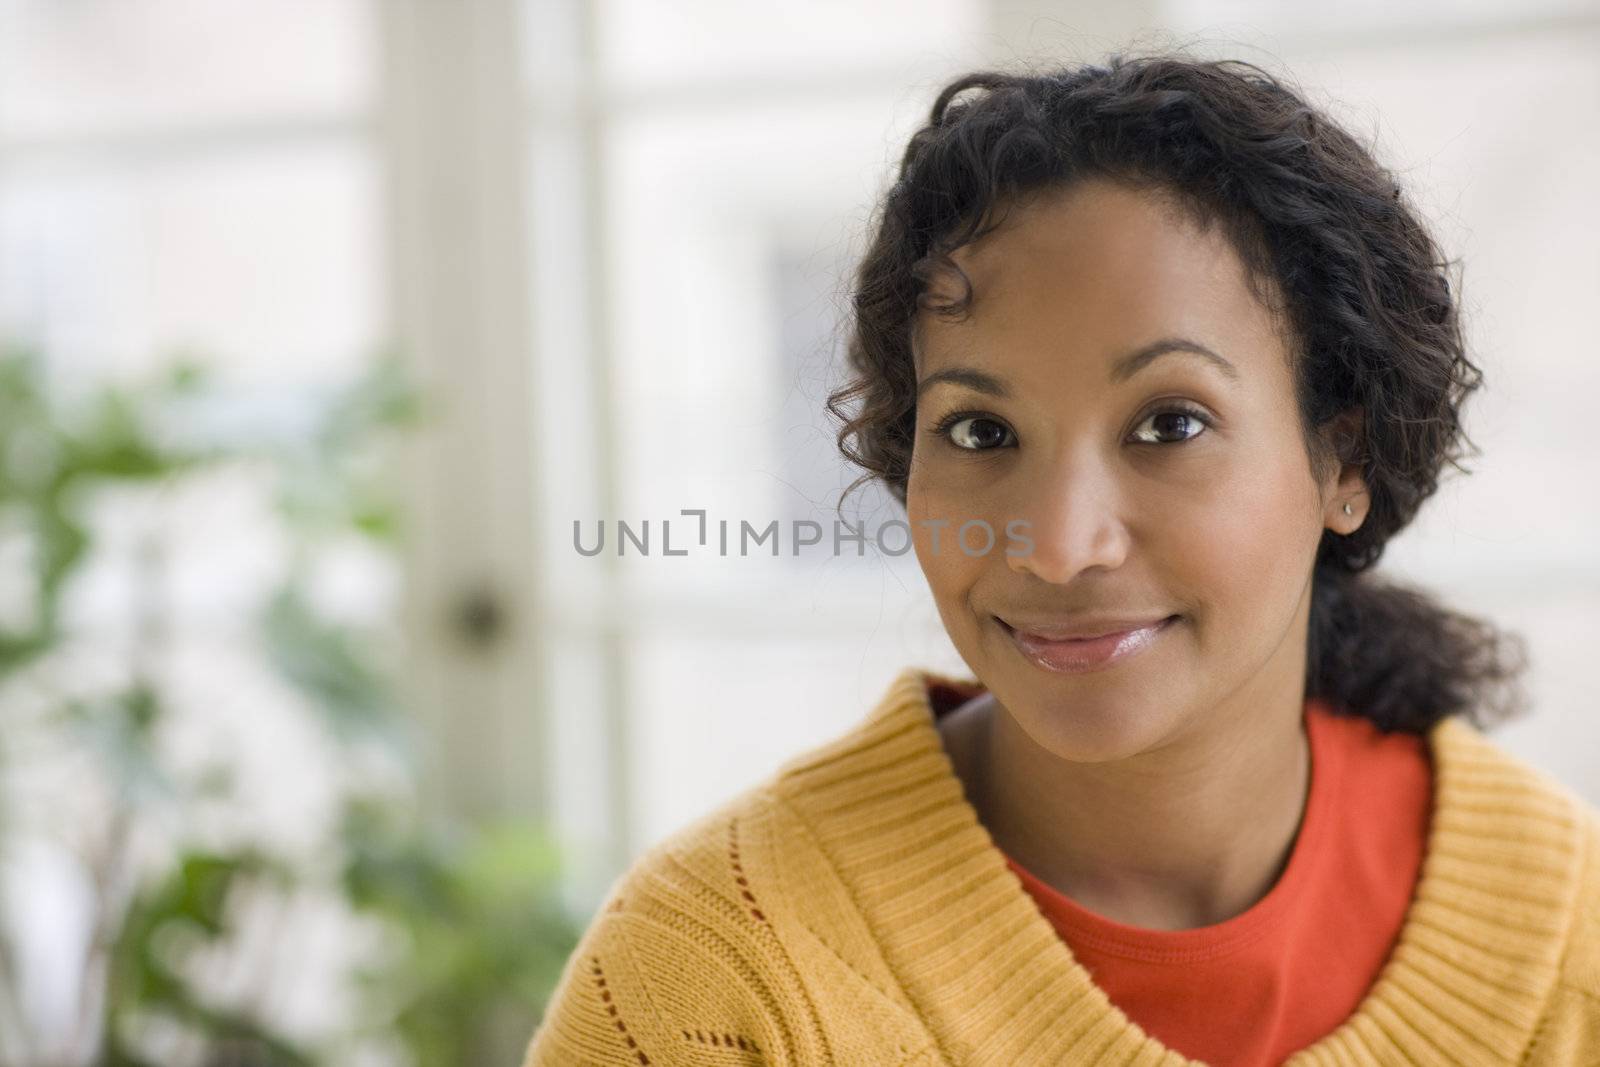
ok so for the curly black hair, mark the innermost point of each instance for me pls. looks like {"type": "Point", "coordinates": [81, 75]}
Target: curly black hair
{"type": "Point", "coordinates": [1325, 233]}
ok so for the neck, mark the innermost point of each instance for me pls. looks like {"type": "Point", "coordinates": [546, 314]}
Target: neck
{"type": "Point", "coordinates": [1186, 835]}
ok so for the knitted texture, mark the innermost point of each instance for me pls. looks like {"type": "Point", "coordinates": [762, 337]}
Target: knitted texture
{"type": "Point", "coordinates": [852, 910]}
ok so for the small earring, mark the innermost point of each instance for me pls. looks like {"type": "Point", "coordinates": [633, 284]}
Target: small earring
{"type": "Point", "coordinates": [1347, 510]}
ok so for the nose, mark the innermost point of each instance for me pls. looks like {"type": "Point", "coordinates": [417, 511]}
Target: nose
{"type": "Point", "coordinates": [1072, 519]}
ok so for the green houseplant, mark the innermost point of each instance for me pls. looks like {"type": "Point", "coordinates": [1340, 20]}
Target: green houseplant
{"type": "Point", "coordinates": [464, 930]}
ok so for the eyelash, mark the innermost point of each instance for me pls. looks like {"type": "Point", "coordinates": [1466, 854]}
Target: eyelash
{"type": "Point", "coordinates": [942, 430]}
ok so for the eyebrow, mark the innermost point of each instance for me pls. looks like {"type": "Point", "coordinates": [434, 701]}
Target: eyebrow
{"type": "Point", "coordinates": [975, 380]}
{"type": "Point", "coordinates": [1134, 362]}
{"type": "Point", "coordinates": [1121, 370]}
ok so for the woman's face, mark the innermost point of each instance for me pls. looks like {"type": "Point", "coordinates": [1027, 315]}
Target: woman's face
{"type": "Point", "coordinates": [1174, 485]}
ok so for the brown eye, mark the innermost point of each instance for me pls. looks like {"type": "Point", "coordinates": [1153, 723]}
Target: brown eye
{"type": "Point", "coordinates": [974, 433]}
{"type": "Point", "coordinates": [1173, 421]}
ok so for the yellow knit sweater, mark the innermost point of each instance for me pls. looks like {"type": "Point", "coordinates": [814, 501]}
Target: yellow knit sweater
{"type": "Point", "coordinates": [852, 910]}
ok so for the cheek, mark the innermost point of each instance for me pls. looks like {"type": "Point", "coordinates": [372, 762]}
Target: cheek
{"type": "Point", "coordinates": [1244, 540]}
{"type": "Point", "coordinates": [935, 515]}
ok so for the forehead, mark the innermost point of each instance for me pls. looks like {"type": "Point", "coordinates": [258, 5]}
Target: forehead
{"type": "Point", "coordinates": [1096, 267]}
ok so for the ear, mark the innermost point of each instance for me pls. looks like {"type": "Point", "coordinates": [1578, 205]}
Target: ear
{"type": "Point", "coordinates": [1346, 435]}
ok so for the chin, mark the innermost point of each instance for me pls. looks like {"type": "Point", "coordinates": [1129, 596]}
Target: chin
{"type": "Point", "coordinates": [1091, 736]}
{"type": "Point", "coordinates": [1084, 724]}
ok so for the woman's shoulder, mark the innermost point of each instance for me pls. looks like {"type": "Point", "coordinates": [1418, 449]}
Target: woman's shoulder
{"type": "Point", "coordinates": [712, 849]}
{"type": "Point", "coordinates": [1569, 1030]}
{"type": "Point", "coordinates": [1507, 809]}
{"type": "Point", "coordinates": [1581, 969]}
{"type": "Point", "coordinates": [731, 933]}
{"type": "Point", "coordinates": [773, 848]}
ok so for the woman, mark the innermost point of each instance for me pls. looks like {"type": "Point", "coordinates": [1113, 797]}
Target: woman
{"type": "Point", "coordinates": [1214, 793]}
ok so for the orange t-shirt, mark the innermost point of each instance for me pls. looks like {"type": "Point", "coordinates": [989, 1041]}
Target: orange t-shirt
{"type": "Point", "coordinates": [1251, 990]}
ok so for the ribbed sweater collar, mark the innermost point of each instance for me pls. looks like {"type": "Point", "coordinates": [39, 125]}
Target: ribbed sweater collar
{"type": "Point", "coordinates": [1476, 960]}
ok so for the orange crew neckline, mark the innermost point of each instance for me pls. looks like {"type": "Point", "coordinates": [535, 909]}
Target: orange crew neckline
{"type": "Point", "coordinates": [1087, 927]}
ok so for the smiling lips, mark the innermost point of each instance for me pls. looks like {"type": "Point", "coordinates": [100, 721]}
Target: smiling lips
{"type": "Point", "coordinates": [1109, 642]}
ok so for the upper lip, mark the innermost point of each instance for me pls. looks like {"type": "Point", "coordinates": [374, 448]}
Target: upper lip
{"type": "Point", "coordinates": [1081, 627]}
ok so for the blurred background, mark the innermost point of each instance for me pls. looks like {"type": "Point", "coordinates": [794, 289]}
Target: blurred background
{"type": "Point", "coordinates": [324, 321]}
